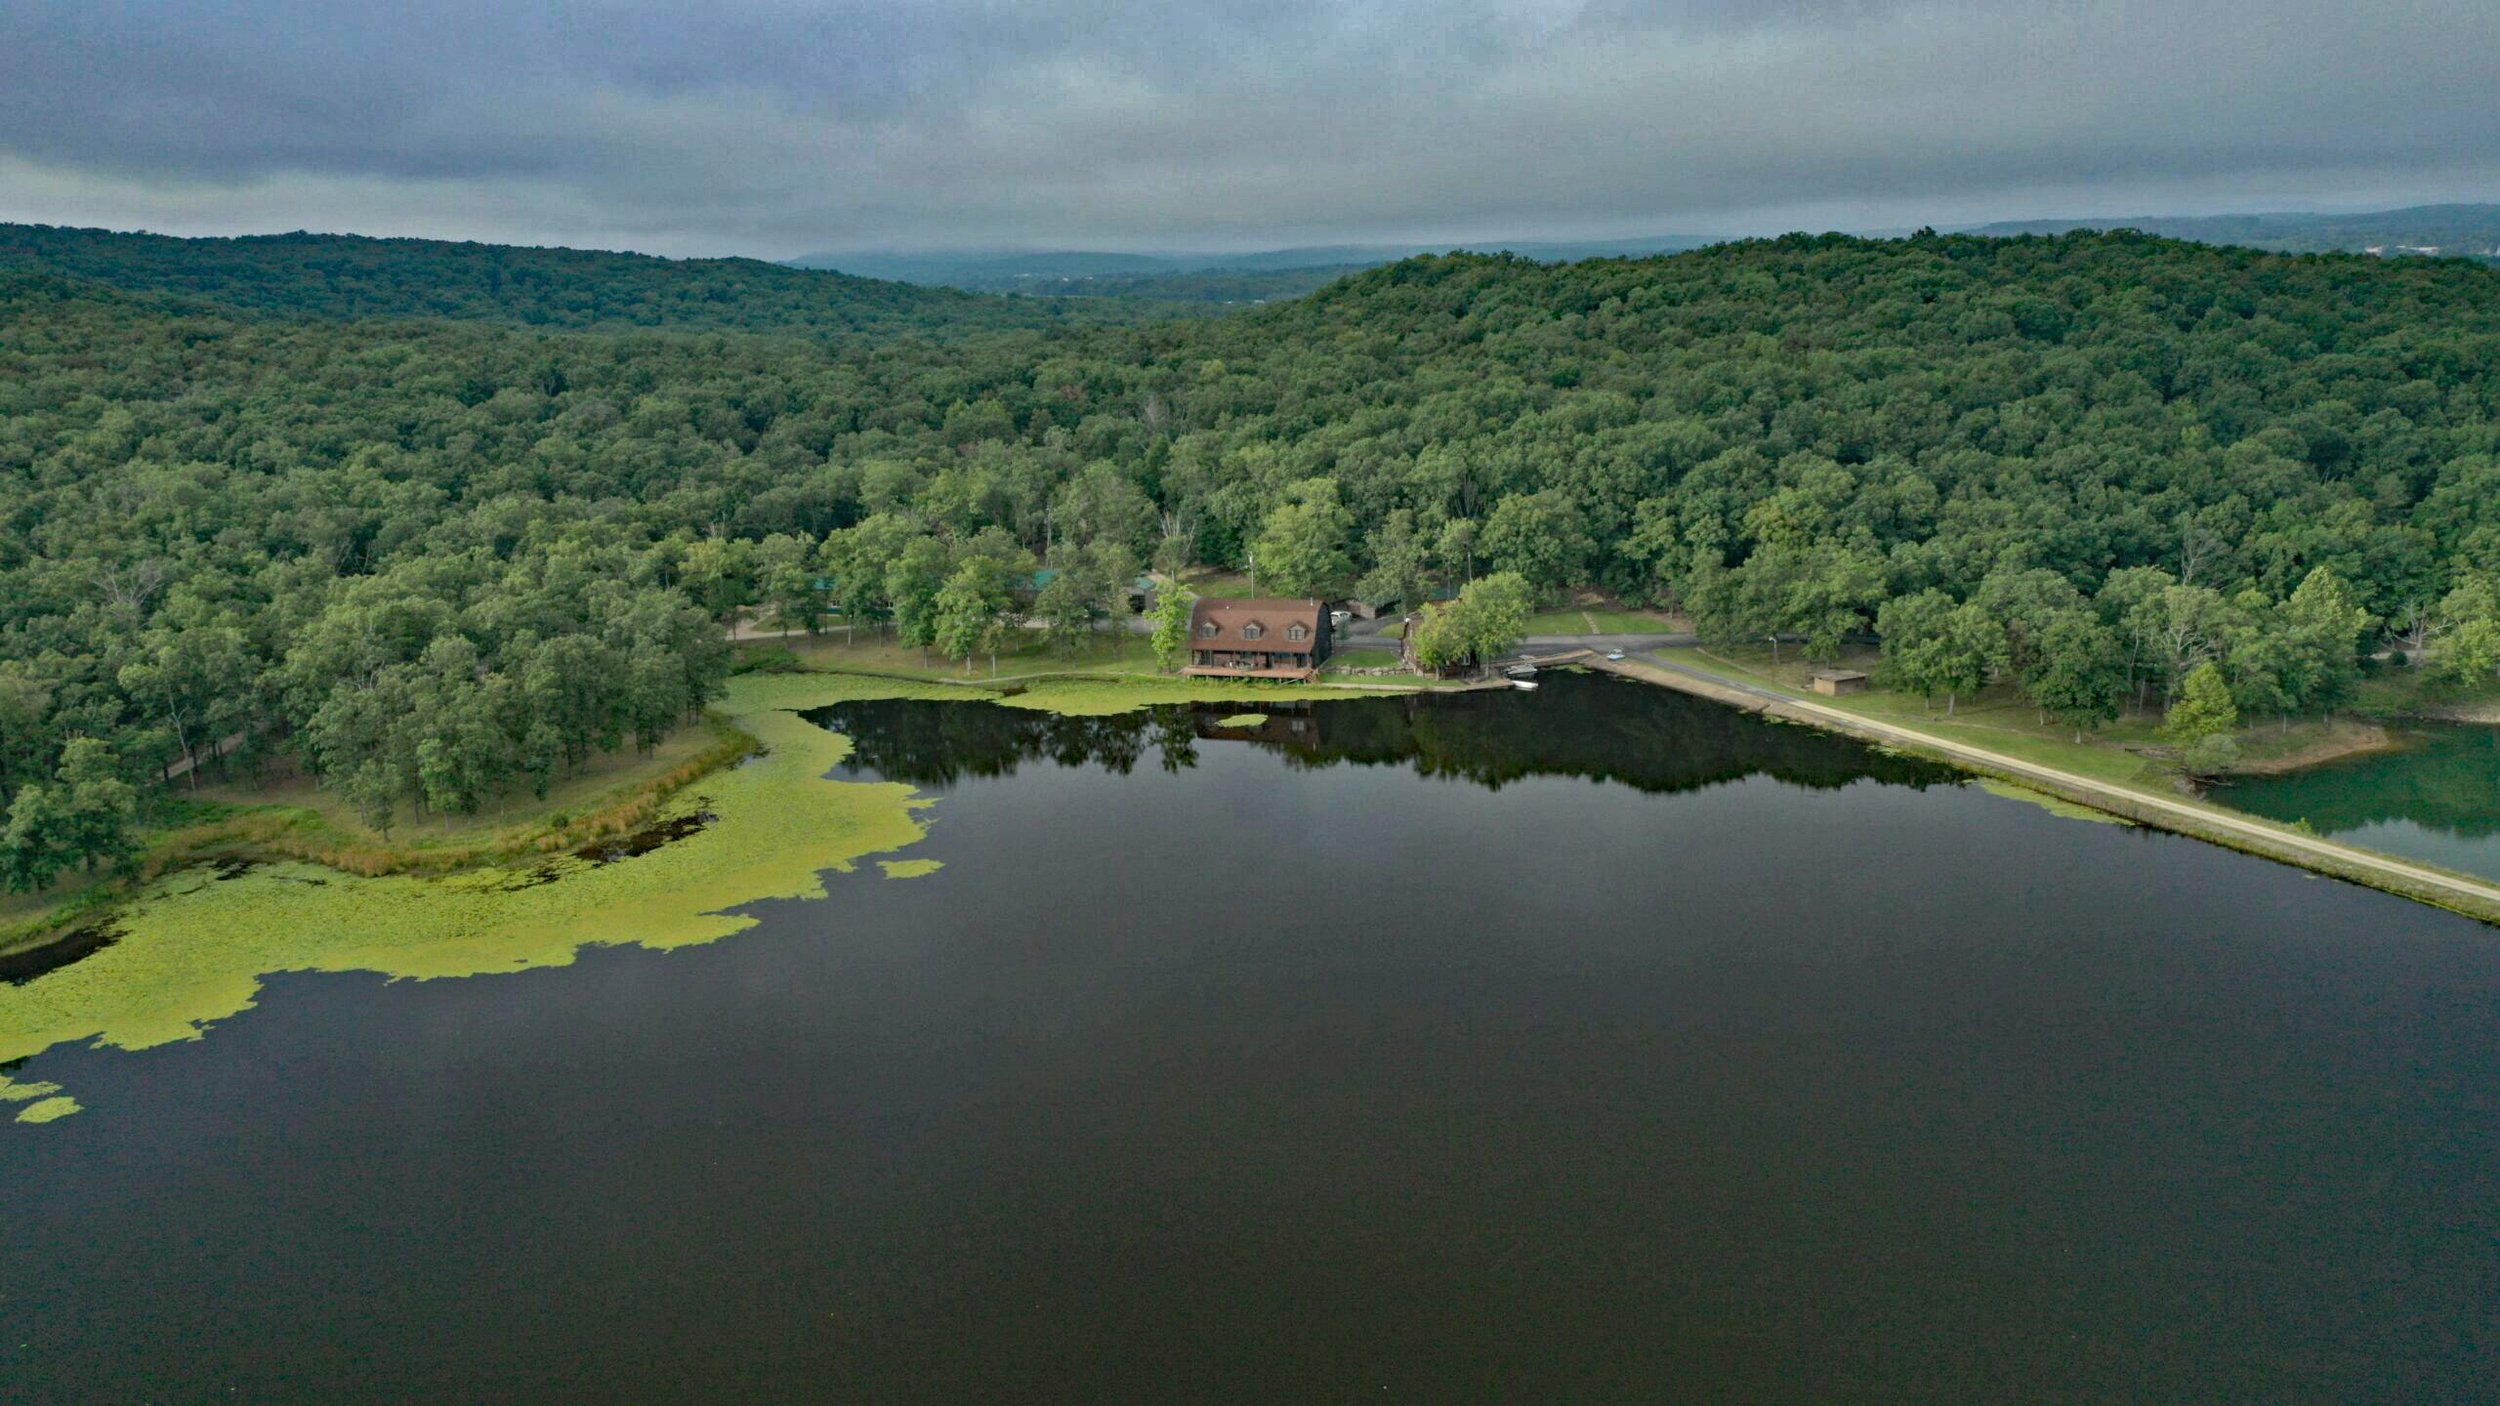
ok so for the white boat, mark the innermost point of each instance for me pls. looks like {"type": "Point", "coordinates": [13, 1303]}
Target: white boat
{"type": "Point", "coordinates": [1523, 683]}
{"type": "Point", "coordinates": [1521, 671]}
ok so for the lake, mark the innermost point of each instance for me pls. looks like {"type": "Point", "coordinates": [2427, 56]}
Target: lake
{"type": "Point", "coordinates": [1595, 1044]}
{"type": "Point", "coordinates": [2437, 799]}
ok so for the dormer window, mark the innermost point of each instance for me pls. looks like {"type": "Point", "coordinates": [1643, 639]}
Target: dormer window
{"type": "Point", "coordinates": [1296, 633]}
{"type": "Point", "coordinates": [1251, 631]}
{"type": "Point", "coordinates": [1210, 629]}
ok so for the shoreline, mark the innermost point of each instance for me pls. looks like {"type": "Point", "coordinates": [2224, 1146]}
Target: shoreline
{"type": "Point", "coordinates": [2440, 888]}
{"type": "Point", "coordinates": [275, 833]}
{"type": "Point", "coordinates": [270, 834]}
{"type": "Point", "coordinates": [2461, 714]}
{"type": "Point", "coordinates": [2365, 739]}
{"type": "Point", "coordinates": [191, 947]}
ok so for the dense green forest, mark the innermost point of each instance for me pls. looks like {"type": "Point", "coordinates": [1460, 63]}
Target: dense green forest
{"type": "Point", "coordinates": [349, 276]}
{"type": "Point", "coordinates": [442, 560]}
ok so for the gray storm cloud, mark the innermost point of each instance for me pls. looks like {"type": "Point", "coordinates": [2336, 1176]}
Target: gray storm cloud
{"type": "Point", "coordinates": [774, 127]}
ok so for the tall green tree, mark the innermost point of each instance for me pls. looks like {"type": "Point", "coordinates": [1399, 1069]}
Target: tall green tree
{"type": "Point", "coordinates": [196, 680]}
{"type": "Point", "coordinates": [719, 573]}
{"type": "Point", "coordinates": [2469, 638]}
{"type": "Point", "coordinates": [1455, 549]}
{"type": "Point", "coordinates": [970, 615]}
{"type": "Point", "coordinates": [1933, 646]}
{"type": "Point", "coordinates": [1401, 559]}
{"type": "Point", "coordinates": [1301, 549]}
{"type": "Point", "coordinates": [2200, 724]}
{"type": "Point", "coordinates": [912, 582]}
{"type": "Point", "coordinates": [1497, 608]}
{"type": "Point", "coordinates": [1068, 607]}
{"type": "Point", "coordinates": [1487, 620]}
{"type": "Point", "coordinates": [2329, 623]}
{"type": "Point", "coordinates": [85, 819]}
{"type": "Point", "coordinates": [1541, 537]}
{"type": "Point", "coordinates": [858, 559]}
{"type": "Point", "coordinates": [785, 572]}
{"type": "Point", "coordinates": [1170, 615]}
{"type": "Point", "coordinates": [2077, 673]}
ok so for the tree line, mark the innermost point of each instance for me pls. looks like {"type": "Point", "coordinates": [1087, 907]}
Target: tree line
{"type": "Point", "coordinates": [438, 561]}
{"type": "Point", "coordinates": [345, 277]}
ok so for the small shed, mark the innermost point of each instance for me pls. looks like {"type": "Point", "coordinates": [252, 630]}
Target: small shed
{"type": "Point", "coordinates": [1832, 683]}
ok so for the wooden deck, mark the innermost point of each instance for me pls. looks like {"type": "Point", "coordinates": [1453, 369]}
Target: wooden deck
{"type": "Point", "coordinates": [1213, 671]}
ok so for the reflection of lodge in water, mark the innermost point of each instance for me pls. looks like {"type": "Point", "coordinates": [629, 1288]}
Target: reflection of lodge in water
{"type": "Point", "coordinates": [1295, 726]}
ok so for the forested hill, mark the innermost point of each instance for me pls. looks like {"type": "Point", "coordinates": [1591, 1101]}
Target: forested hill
{"type": "Point", "coordinates": [2437, 231]}
{"type": "Point", "coordinates": [441, 559]}
{"type": "Point", "coordinates": [349, 276]}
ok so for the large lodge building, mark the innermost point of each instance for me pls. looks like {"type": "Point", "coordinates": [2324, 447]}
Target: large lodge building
{"type": "Point", "coordinates": [1257, 639]}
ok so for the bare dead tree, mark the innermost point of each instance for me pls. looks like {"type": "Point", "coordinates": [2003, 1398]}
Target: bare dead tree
{"type": "Point", "coordinates": [131, 587]}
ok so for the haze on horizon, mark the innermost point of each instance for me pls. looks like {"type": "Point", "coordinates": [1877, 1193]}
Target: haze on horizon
{"type": "Point", "coordinates": [778, 128]}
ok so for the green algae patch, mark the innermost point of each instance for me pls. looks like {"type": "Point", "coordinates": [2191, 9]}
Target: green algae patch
{"type": "Point", "coordinates": [1242, 720]}
{"type": "Point", "coordinates": [2049, 803]}
{"type": "Point", "coordinates": [48, 1110]}
{"type": "Point", "coordinates": [13, 1092]}
{"type": "Point", "coordinates": [909, 868]}
{"type": "Point", "coordinates": [196, 945]}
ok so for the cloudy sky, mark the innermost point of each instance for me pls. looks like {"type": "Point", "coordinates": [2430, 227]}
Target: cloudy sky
{"type": "Point", "coordinates": [778, 127]}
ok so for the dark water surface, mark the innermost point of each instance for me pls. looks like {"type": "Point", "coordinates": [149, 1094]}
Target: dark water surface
{"type": "Point", "coordinates": [2437, 800]}
{"type": "Point", "coordinates": [1593, 1045]}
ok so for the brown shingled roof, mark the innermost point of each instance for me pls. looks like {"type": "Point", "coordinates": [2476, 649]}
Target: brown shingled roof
{"type": "Point", "coordinates": [1272, 616]}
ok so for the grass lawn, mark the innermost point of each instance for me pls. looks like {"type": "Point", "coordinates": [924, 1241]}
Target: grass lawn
{"type": "Point", "coordinates": [1364, 659]}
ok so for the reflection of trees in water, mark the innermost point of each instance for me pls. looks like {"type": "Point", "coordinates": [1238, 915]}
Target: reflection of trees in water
{"type": "Point", "coordinates": [936, 744]}
{"type": "Point", "coordinates": [1603, 729]}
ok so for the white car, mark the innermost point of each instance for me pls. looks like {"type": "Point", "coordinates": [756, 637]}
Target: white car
{"type": "Point", "coordinates": [1614, 654]}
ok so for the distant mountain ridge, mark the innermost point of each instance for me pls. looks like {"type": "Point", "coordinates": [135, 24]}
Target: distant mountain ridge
{"type": "Point", "coordinates": [335, 277]}
{"type": "Point", "coordinates": [1246, 276]}
{"type": "Point", "coordinates": [2429, 231]}
{"type": "Point", "coordinates": [2426, 231]}
{"type": "Point", "coordinates": [342, 276]}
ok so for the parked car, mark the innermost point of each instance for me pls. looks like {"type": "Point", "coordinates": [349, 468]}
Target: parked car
{"type": "Point", "coordinates": [1614, 654]}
